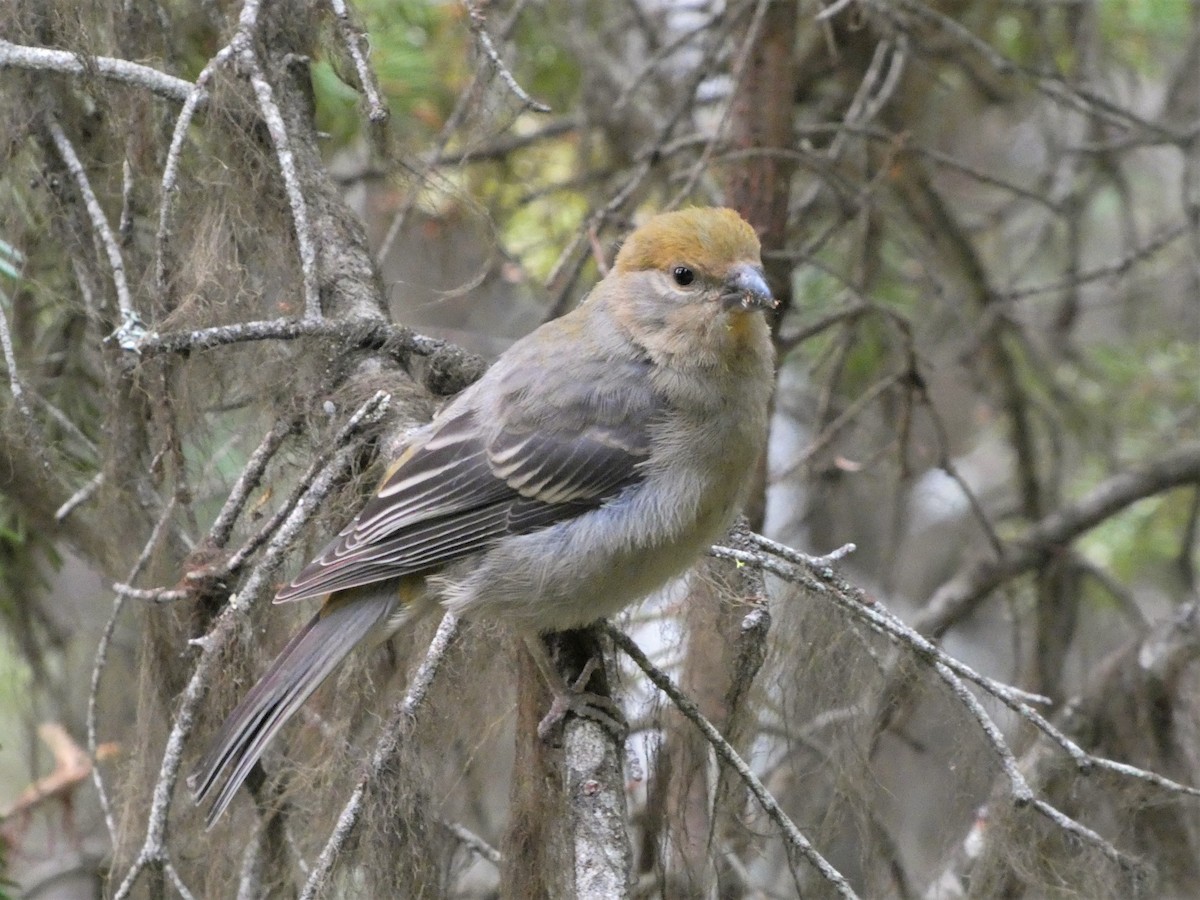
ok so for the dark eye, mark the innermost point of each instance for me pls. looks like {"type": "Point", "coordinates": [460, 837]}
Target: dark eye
{"type": "Point", "coordinates": [683, 276]}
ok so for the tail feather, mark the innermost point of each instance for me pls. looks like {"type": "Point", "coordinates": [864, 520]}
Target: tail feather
{"type": "Point", "coordinates": [306, 661]}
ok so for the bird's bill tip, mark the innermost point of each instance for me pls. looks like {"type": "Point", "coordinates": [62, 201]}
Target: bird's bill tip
{"type": "Point", "coordinates": [746, 288]}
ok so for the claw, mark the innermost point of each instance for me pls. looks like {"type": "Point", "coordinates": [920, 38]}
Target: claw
{"type": "Point", "coordinates": [572, 698]}
{"type": "Point", "coordinates": [587, 705]}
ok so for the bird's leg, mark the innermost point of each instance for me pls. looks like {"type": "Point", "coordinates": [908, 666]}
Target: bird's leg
{"type": "Point", "coordinates": [572, 697]}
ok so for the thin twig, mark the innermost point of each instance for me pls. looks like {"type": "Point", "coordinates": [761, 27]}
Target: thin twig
{"type": "Point", "coordinates": [1019, 789]}
{"type": "Point", "coordinates": [79, 497]}
{"type": "Point", "coordinates": [825, 582]}
{"type": "Point", "coordinates": [638, 79]}
{"type": "Point", "coordinates": [474, 843]}
{"type": "Point", "coordinates": [367, 335]}
{"type": "Point", "coordinates": [845, 418]}
{"type": "Point", "coordinates": [177, 881]}
{"type": "Point", "coordinates": [44, 59]}
{"type": "Point", "coordinates": [101, 661]}
{"type": "Point", "coordinates": [218, 534]}
{"type": "Point", "coordinates": [273, 117]}
{"type": "Point", "coordinates": [248, 480]}
{"type": "Point", "coordinates": [832, 10]}
{"type": "Point", "coordinates": [479, 29]}
{"type": "Point", "coordinates": [14, 377]}
{"type": "Point", "coordinates": [570, 257]}
{"type": "Point", "coordinates": [125, 220]}
{"type": "Point", "coordinates": [153, 595]}
{"type": "Point", "coordinates": [239, 557]}
{"type": "Point", "coordinates": [168, 187]}
{"type": "Point", "coordinates": [355, 39]}
{"type": "Point", "coordinates": [792, 835]}
{"type": "Point", "coordinates": [505, 146]}
{"type": "Point", "coordinates": [1051, 85]}
{"type": "Point", "coordinates": [99, 222]}
{"type": "Point", "coordinates": [961, 594]}
{"type": "Point", "coordinates": [947, 464]}
{"type": "Point", "coordinates": [154, 850]}
{"type": "Point", "coordinates": [67, 425]}
{"type": "Point", "coordinates": [737, 72]}
{"type": "Point", "coordinates": [1120, 267]}
{"type": "Point", "coordinates": [397, 729]}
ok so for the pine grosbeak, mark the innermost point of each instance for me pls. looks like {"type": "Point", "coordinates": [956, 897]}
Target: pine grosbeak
{"type": "Point", "coordinates": [594, 462]}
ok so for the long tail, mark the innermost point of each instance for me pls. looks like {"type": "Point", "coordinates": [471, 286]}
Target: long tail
{"type": "Point", "coordinates": [306, 661]}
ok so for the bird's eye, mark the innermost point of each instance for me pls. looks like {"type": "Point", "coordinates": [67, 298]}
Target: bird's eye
{"type": "Point", "coordinates": [683, 276]}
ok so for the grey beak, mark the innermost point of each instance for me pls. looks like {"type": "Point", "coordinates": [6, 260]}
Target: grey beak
{"type": "Point", "coordinates": [746, 287]}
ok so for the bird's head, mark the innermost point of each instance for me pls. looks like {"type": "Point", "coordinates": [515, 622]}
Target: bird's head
{"type": "Point", "coordinates": [692, 279]}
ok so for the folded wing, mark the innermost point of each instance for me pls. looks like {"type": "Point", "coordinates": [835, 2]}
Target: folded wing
{"type": "Point", "coordinates": [468, 485]}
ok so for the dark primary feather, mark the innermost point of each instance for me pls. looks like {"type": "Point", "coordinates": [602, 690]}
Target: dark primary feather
{"type": "Point", "coordinates": [305, 662]}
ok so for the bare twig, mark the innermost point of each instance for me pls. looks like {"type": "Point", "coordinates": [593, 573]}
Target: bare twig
{"type": "Point", "coordinates": [154, 851]}
{"type": "Point", "coordinates": [125, 221]}
{"type": "Point", "coordinates": [824, 581]}
{"type": "Point", "coordinates": [248, 480]}
{"type": "Point", "coordinates": [153, 595]}
{"type": "Point", "coordinates": [1051, 85]}
{"type": "Point", "coordinates": [14, 377]}
{"type": "Point", "coordinates": [101, 660]}
{"type": "Point", "coordinates": [167, 189]}
{"type": "Point", "coordinates": [947, 464]}
{"type": "Point", "coordinates": [845, 418]}
{"type": "Point", "coordinates": [570, 259]}
{"type": "Point", "coordinates": [44, 59]}
{"type": "Point", "coordinates": [953, 672]}
{"type": "Point", "coordinates": [104, 232]}
{"type": "Point", "coordinates": [638, 79]}
{"type": "Point", "coordinates": [1120, 267]}
{"type": "Point", "coordinates": [394, 733]}
{"type": "Point", "coordinates": [749, 45]}
{"type": "Point", "coordinates": [832, 10]}
{"type": "Point", "coordinates": [479, 29]}
{"type": "Point", "coordinates": [243, 45]}
{"type": "Point", "coordinates": [507, 145]}
{"type": "Point", "coordinates": [356, 44]}
{"type": "Point", "coordinates": [794, 838]}
{"type": "Point", "coordinates": [365, 335]}
{"type": "Point", "coordinates": [72, 765]}
{"type": "Point", "coordinates": [79, 497]}
{"type": "Point", "coordinates": [219, 533]}
{"type": "Point", "coordinates": [474, 842]}
{"type": "Point", "coordinates": [450, 367]}
{"type": "Point", "coordinates": [962, 594]}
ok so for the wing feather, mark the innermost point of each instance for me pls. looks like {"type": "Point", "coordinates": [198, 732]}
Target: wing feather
{"type": "Point", "coordinates": [467, 483]}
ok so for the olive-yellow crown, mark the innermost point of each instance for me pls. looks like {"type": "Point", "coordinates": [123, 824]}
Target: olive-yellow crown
{"type": "Point", "coordinates": [711, 239]}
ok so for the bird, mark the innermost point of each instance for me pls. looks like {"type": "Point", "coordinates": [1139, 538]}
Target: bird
{"type": "Point", "coordinates": [595, 460]}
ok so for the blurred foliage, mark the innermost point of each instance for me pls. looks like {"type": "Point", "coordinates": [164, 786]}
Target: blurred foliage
{"type": "Point", "coordinates": [535, 183]}
{"type": "Point", "coordinates": [7, 885]}
{"type": "Point", "coordinates": [546, 67]}
{"type": "Point", "coordinates": [21, 578]}
{"type": "Point", "coordinates": [424, 56]}
{"type": "Point", "coordinates": [419, 53]}
{"type": "Point", "coordinates": [1155, 378]}
{"type": "Point", "coordinates": [1135, 397]}
{"type": "Point", "coordinates": [1139, 33]}
{"type": "Point", "coordinates": [1143, 32]}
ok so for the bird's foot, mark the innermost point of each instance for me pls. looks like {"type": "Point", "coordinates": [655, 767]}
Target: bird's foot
{"type": "Point", "coordinates": [574, 699]}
